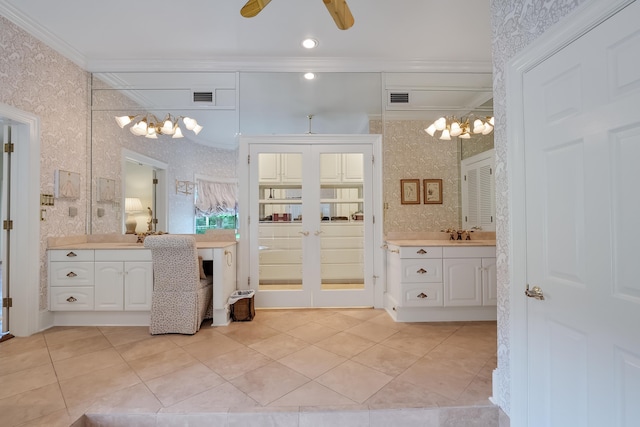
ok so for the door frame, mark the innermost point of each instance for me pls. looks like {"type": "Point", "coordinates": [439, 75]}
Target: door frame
{"type": "Point", "coordinates": [375, 140]}
{"type": "Point", "coordinates": [26, 249]}
{"type": "Point", "coordinates": [582, 20]}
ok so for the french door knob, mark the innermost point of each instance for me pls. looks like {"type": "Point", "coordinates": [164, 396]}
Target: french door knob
{"type": "Point", "coordinates": [534, 292]}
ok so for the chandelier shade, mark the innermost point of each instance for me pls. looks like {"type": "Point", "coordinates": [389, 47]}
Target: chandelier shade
{"type": "Point", "coordinates": [446, 127]}
{"type": "Point", "coordinates": [149, 126]}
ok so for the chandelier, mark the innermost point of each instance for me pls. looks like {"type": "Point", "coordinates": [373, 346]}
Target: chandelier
{"type": "Point", "coordinates": [446, 127]}
{"type": "Point", "coordinates": [149, 126]}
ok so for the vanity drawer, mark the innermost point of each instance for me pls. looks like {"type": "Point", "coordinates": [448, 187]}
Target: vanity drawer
{"type": "Point", "coordinates": [70, 255]}
{"type": "Point", "coordinates": [422, 295]}
{"type": "Point", "coordinates": [421, 270]}
{"type": "Point", "coordinates": [71, 273]}
{"type": "Point", "coordinates": [421, 252]}
{"type": "Point", "coordinates": [70, 298]}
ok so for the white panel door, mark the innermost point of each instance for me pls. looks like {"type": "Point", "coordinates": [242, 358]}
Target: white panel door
{"type": "Point", "coordinates": [582, 143]}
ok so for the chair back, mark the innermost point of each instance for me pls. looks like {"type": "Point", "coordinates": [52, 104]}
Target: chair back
{"type": "Point", "coordinates": [175, 262]}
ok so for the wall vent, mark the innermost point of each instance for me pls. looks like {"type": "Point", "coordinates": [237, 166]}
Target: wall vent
{"type": "Point", "coordinates": [202, 96]}
{"type": "Point", "coordinates": [399, 97]}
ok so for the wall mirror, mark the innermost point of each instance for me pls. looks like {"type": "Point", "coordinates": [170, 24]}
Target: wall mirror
{"type": "Point", "coordinates": [227, 104]}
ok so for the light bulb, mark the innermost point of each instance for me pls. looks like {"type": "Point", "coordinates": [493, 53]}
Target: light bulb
{"type": "Point", "coordinates": [189, 123]}
{"type": "Point", "coordinates": [445, 135]}
{"type": "Point", "coordinates": [487, 129]}
{"type": "Point", "coordinates": [455, 129]}
{"type": "Point", "coordinates": [197, 129]}
{"type": "Point", "coordinates": [478, 126]}
{"type": "Point", "coordinates": [124, 120]}
{"type": "Point", "coordinates": [167, 127]}
{"type": "Point", "coordinates": [431, 129]}
{"type": "Point", "coordinates": [441, 123]}
{"type": "Point", "coordinates": [178, 133]}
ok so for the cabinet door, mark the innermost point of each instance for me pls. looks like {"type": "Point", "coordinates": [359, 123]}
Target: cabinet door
{"type": "Point", "coordinates": [291, 167]}
{"type": "Point", "coordinates": [330, 167]}
{"type": "Point", "coordinates": [352, 167]}
{"type": "Point", "coordinates": [269, 170]}
{"type": "Point", "coordinates": [478, 192]}
{"type": "Point", "coordinates": [462, 282]}
{"type": "Point", "coordinates": [108, 285]}
{"type": "Point", "coordinates": [138, 285]}
{"type": "Point", "coordinates": [489, 282]}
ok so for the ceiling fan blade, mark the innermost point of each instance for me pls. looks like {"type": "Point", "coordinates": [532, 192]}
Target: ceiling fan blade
{"type": "Point", "coordinates": [253, 7]}
{"type": "Point", "coordinates": [340, 13]}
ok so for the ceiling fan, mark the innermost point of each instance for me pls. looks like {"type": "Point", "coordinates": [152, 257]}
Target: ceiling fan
{"type": "Point", "coordinates": [337, 8]}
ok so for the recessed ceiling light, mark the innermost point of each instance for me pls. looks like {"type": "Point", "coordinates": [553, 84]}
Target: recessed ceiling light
{"type": "Point", "coordinates": [309, 76]}
{"type": "Point", "coordinates": [309, 43]}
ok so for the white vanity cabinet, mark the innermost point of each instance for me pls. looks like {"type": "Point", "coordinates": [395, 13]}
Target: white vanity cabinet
{"type": "Point", "coordinates": [71, 280]}
{"type": "Point", "coordinates": [100, 280]}
{"type": "Point", "coordinates": [441, 283]}
{"type": "Point", "coordinates": [123, 280]}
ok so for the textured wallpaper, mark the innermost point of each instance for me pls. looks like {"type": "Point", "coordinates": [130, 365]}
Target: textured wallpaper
{"type": "Point", "coordinates": [36, 79]}
{"type": "Point", "coordinates": [515, 25]}
{"type": "Point", "coordinates": [410, 153]}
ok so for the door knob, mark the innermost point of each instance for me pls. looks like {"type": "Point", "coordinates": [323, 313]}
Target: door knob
{"type": "Point", "coordinates": [534, 292]}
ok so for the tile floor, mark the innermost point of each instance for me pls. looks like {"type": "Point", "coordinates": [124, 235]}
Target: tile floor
{"type": "Point", "coordinates": [286, 362]}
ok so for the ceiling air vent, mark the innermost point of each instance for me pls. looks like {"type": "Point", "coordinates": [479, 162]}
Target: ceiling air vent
{"type": "Point", "coordinates": [399, 97]}
{"type": "Point", "coordinates": [202, 96]}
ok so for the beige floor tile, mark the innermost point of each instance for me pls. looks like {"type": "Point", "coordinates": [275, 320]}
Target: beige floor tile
{"type": "Point", "coordinates": [30, 405]}
{"type": "Point", "coordinates": [19, 345]}
{"type": "Point", "coordinates": [339, 321]}
{"type": "Point", "coordinates": [355, 381]}
{"type": "Point", "coordinates": [66, 334]}
{"type": "Point", "coordinates": [159, 364]}
{"type": "Point", "coordinates": [59, 418]}
{"type": "Point", "coordinates": [385, 320]}
{"type": "Point", "coordinates": [205, 332]}
{"type": "Point", "coordinates": [269, 382]}
{"type": "Point", "coordinates": [80, 365]}
{"type": "Point", "coordinates": [386, 359]}
{"type": "Point", "coordinates": [92, 385]}
{"type": "Point", "coordinates": [134, 399]}
{"type": "Point", "coordinates": [29, 379]}
{"type": "Point", "coordinates": [362, 313]}
{"type": "Point", "coordinates": [312, 361]}
{"type": "Point", "coordinates": [403, 394]}
{"type": "Point", "coordinates": [312, 332]}
{"type": "Point", "coordinates": [414, 344]}
{"type": "Point", "coordinates": [120, 335]}
{"type": "Point", "coordinates": [372, 331]}
{"type": "Point", "coordinates": [437, 377]}
{"type": "Point", "coordinates": [23, 360]}
{"type": "Point", "coordinates": [216, 399]}
{"type": "Point", "coordinates": [344, 344]}
{"type": "Point", "coordinates": [216, 345]}
{"type": "Point", "coordinates": [279, 346]}
{"type": "Point", "coordinates": [312, 394]}
{"type": "Point", "coordinates": [66, 349]}
{"type": "Point", "coordinates": [252, 333]}
{"type": "Point", "coordinates": [238, 362]}
{"type": "Point", "coordinates": [477, 393]}
{"type": "Point", "coordinates": [146, 348]}
{"type": "Point", "coordinates": [286, 322]}
{"type": "Point", "coordinates": [183, 383]}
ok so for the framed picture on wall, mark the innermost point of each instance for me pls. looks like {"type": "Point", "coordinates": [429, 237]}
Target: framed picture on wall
{"type": "Point", "coordinates": [432, 191]}
{"type": "Point", "coordinates": [106, 190]}
{"type": "Point", "coordinates": [66, 184]}
{"type": "Point", "coordinates": [410, 191]}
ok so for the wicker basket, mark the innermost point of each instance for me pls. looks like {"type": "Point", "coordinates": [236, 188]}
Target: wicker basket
{"type": "Point", "coordinates": [243, 310]}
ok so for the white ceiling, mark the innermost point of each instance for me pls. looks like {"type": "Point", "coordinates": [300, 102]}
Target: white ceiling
{"type": "Point", "coordinates": [410, 36]}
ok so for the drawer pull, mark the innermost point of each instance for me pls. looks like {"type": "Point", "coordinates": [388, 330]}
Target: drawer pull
{"type": "Point", "coordinates": [421, 252]}
{"type": "Point", "coordinates": [394, 251]}
{"type": "Point", "coordinates": [71, 254]}
{"type": "Point", "coordinates": [71, 274]}
{"type": "Point", "coordinates": [421, 271]}
{"type": "Point", "coordinates": [71, 299]}
{"type": "Point", "coordinates": [422, 295]}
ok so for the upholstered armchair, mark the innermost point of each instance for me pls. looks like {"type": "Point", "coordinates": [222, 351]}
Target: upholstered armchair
{"type": "Point", "coordinates": [181, 300]}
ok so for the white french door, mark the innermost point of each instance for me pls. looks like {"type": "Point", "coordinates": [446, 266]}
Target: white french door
{"type": "Point", "coordinates": [311, 224]}
{"type": "Point", "coordinates": [582, 142]}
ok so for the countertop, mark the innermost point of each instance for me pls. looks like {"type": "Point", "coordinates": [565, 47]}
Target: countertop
{"type": "Point", "coordinates": [433, 242]}
{"type": "Point", "coordinates": [132, 245]}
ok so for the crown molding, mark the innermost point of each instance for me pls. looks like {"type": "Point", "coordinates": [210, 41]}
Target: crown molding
{"type": "Point", "coordinates": [42, 34]}
{"type": "Point", "coordinates": [289, 64]}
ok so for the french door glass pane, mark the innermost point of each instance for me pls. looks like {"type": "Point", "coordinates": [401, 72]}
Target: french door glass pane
{"type": "Point", "coordinates": [342, 225]}
{"type": "Point", "coordinates": [280, 217]}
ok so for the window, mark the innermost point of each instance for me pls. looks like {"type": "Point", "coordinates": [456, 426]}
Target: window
{"type": "Point", "coordinates": [216, 205]}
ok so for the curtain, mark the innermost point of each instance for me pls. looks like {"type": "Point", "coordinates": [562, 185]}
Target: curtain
{"type": "Point", "coordinates": [215, 197]}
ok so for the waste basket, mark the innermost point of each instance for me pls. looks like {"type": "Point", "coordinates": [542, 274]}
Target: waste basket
{"type": "Point", "coordinates": [241, 306]}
